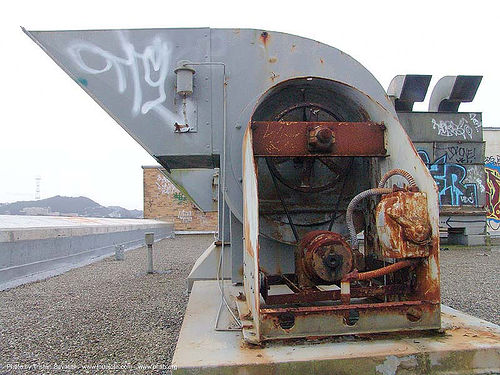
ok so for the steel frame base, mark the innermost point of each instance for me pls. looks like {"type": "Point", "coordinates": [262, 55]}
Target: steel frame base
{"type": "Point", "coordinates": [467, 345]}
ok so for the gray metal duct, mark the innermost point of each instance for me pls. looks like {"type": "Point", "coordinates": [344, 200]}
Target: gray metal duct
{"type": "Point", "coordinates": [405, 90]}
{"type": "Point", "coordinates": [450, 91]}
{"type": "Point", "coordinates": [131, 75]}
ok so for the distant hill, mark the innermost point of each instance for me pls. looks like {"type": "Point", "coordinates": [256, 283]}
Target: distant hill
{"type": "Point", "coordinates": [82, 206]}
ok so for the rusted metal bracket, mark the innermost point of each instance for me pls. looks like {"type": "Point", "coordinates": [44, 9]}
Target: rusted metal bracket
{"type": "Point", "coordinates": [288, 139]}
{"type": "Point", "coordinates": [315, 295]}
{"type": "Point", "coordinates": [382, 306]}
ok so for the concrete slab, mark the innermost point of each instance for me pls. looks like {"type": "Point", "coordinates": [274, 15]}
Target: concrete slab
{"type": "Point", "coordinates": [35, 247]}
{"type": "Point", "coordinates": [468, 345]}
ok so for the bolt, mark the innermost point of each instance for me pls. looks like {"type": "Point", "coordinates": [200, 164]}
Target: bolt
{"type": "Point", "coordinates": [325, 135]}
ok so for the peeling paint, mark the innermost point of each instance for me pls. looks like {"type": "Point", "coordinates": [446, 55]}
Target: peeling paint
{"type": "Point", "coordinates": [392, 363]}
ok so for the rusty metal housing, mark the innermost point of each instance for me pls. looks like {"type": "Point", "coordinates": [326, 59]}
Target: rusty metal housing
{"type": "Point", "coordinates": [316, 167]}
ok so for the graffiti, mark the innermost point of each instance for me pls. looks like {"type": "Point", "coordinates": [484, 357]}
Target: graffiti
{"type": "Point", "coordinates": [461, 154]}
{"type": "Point", "coordinates": [148, 68]}
{"type": "Point", "coordinates": [185, 216]}
{"type": "Point", "coordinates": [475, 121]}
{"type": "Point", "coordinates": [493, 195]}
{"type": "Point", "coordinates": [164, 186]}
{"type": "Point", "coordinates": [82, 81]}
{"type": "Point", "coordinates": [204, 219]}
{"type": "Point", "coordinates": [465, 127]}
{"type": "Point", "coordinates": [493, 160]}
{"type": "Point", "coordinates": [450, 178]}
{"type": "Point", "coordinates": [180, 198]}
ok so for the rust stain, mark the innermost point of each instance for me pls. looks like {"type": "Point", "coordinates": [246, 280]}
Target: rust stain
{"type": "Point", "coordinates": [273, 59]}
{"type": "Point", "coordinates": [374, 307]}
{"type": "Point", "coordinates": [321, 61]}
{"type": "Point", "coordinates": [274, 76]}
{"type": "Point", "coordinates": [264, 37]}
{"type": "Point", "coordinates": [314, 295]}
{"type": "Point", "coordinates": [326, 256]}
{"type": "Point", "coordinates": [246, 225]}
{"type": "Point", "coordinates": [403, 225]}
{"type": "Point", "coordinates": [428, 274]}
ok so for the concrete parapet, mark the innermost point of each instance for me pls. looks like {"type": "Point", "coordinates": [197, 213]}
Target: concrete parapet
{"type": "Point", "coordinates": [33, 248]}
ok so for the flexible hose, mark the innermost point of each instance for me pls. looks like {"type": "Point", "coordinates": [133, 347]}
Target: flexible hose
{"type": "Point", "coordinates": [350, 211]}
{"type": "Point", "coordinates": [399, 172]}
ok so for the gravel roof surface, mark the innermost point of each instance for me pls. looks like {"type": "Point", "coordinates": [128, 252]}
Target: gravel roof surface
{"type": "Point", "coordinates": [470, 280]}
{"type": "Point", "coordinates": [113, 314]}
{"type": "Point", "coordinates": [110, 313]}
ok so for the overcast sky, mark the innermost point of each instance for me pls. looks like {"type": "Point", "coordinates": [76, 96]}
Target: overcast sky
{"type": "Point", "coordinates": [53, 129]}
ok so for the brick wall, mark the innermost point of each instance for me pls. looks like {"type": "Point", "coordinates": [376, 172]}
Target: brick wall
{"type": "Point", "coordinates": [162, 200]}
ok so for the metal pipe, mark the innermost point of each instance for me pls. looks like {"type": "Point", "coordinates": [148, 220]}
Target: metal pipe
{"type": "Point", "coordinates": [350, 211]}
{"type": "Point", "coordinates": [220, 268]}
{"type": "Point", "coordinates": [355, 275]}
{"type": "Point", "coordinates": [150, 259]}
{"type": "Point", "coordinates": [399, 172]}
{"type": "Point", "coordinates": [120, 252]}
{"type": "Point", "coordinates": [149, 239]}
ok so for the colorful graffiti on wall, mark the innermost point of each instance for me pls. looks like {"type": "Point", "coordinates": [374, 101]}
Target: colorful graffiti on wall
{"type": "Point", "coordinates": [449, 177]}
{"type": "Point", "coordinates": [492, 169]}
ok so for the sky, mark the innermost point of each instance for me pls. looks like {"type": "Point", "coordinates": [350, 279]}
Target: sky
{"type": "Point", "coordinates": [53, 129]}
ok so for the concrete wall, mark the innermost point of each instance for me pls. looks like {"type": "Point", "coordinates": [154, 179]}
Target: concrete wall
{"type": "Point", "coordinates": [32, 248]}
{"type": "Point", "coordinates": [492, 169]}
{"type": "Point", "coordinates": [452, 147]}
{"type": "Point", "coordinates": [162, 200]}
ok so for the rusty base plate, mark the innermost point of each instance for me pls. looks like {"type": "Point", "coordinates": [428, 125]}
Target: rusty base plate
{"type": "Point", "coordinates": [468, 345]}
